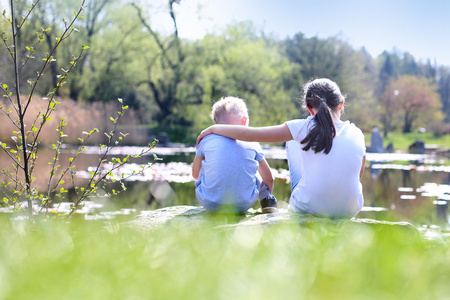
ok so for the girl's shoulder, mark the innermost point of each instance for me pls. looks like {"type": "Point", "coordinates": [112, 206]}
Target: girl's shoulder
{"type": "Point", "coordinates": [297, 126]}
{"type": "Point", "coordinates": [298, 123]}
{"type": "Point", "coordinates": [347, 125]}
{"type": "Point", "coordinates": [348, 128]}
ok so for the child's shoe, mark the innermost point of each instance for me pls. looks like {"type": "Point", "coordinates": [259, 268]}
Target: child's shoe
{"type": "Point", "coordinates": [269, 205]}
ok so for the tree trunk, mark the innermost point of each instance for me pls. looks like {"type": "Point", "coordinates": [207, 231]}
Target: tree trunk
{"type": "Point", "coordinates": [407, 123]}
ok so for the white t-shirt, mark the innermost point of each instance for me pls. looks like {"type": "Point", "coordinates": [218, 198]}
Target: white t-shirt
{"type": "Point", "coordinates": [330, 184]}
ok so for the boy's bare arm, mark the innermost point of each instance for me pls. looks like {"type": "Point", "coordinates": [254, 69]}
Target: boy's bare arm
{"type": "Point", "coordinates": [266, 174]}
{"type": "Point", "coordinates": [196, 166]}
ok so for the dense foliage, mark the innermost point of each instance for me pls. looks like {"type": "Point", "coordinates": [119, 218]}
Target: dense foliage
{"type": "Point", "coordinates": [173, 82]}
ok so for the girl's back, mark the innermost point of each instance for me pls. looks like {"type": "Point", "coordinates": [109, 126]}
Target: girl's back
{"type": "Point", "coordinates": [329, 184]}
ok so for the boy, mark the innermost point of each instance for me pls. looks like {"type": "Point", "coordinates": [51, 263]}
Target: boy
{"type": "Point", "coordinates": [226, 169]}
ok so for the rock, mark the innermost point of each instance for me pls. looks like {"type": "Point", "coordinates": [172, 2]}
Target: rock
{"type": "Point", "coordinates": [376, 142]}
{"type": "Point", "coordinates": [163, 139]}
{"type": "Point", "coordinates": [390, 148]}
{"type": "Point", "coordinates": [181, 216]}
{"type": "Point", "coordinates": [149, 220]}
{"type": "Point", "coordinates": [418, 147]}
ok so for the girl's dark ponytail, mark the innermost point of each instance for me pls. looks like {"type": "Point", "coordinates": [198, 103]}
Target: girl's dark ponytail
{"type": "Point", "coordinates": [325, 96]}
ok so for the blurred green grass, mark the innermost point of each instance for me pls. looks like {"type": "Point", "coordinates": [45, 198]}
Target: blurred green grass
{"type": "Point", "coordinates": [402, 141]}
{"type": "Point", "coordinates": [87, 260]}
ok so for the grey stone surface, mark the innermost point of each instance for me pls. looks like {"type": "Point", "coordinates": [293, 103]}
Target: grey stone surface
{"type": "Point", "coordinates": [180, 216]}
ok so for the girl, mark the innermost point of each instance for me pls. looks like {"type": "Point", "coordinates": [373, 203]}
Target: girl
{"type": "Point", "coordinates": [326, 156]}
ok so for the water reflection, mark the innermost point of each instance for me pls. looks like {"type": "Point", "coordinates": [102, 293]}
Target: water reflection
{"type": "Point", "coordinates": [442, 213]}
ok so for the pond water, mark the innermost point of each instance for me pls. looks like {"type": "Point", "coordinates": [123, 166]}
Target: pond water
{"type": "Point", "coordinates": [397, 187]}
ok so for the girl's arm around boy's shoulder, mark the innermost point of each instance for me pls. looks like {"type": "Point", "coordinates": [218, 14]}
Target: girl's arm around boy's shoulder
{"type": "Point", "coordinates": [269, 134]}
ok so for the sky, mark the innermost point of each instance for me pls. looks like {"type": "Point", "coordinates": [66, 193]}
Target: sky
{"type": "Point", "coordinates": [420, 27]}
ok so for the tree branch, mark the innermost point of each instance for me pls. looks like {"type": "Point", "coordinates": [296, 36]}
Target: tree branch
{"type": "Point", "coordinates": [154, 35]}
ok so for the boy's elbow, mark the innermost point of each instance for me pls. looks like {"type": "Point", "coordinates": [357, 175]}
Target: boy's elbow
{"type": "Point", "coordinates": [195, 174]}
{"type": "Point", "coordinates": [269, 182]}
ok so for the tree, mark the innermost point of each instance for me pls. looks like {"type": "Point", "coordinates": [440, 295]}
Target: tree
{"type": "Point", "coordinates": [114, 64]}
{"type": "Point", "coordinates": [388, 109]}
{"type": "Point", "coordinates": [409, 65]}
{"type": "Point", "coordinates": [91, 23]}
{"type": "Point", "coordinates": [23, 148]}
{"type": "Point", "coordinates": [164, 68]}
{"type": "Point", "coordinates": [444, 90]}
{"type": "Point", "coordinates": [238, 62]}
{"type": "Point", "coordinates": [389, 68]}
{"type": "Point", "coordinates": [412, 98]}
{"type": "Point", "coordinates": [333, 58]}
{"type": "Point", "coordinates": [23, 153]}
{"type": "Point", "coordinates": [318, 57]}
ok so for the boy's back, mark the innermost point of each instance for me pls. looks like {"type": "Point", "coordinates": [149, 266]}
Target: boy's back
{"type": "Point", "coordinates": [228, 173]}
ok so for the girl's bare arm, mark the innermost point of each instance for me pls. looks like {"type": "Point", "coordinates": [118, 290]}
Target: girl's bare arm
{"type": "Point", "coordinates": [363, 165]}
{"type": "Point", "coordinates": [268, 134]}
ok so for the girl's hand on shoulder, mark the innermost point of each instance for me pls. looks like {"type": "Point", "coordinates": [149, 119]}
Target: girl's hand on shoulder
{"type": "Point", "coordinates": [204, 133]}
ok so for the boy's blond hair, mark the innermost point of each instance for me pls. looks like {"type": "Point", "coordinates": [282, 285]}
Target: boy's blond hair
{"type": "Point", "coordinates": [226, 107]}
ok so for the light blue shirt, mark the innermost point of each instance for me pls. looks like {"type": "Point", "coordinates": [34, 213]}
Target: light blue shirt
{"type": "Point", "coordinates": [228, 173]}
